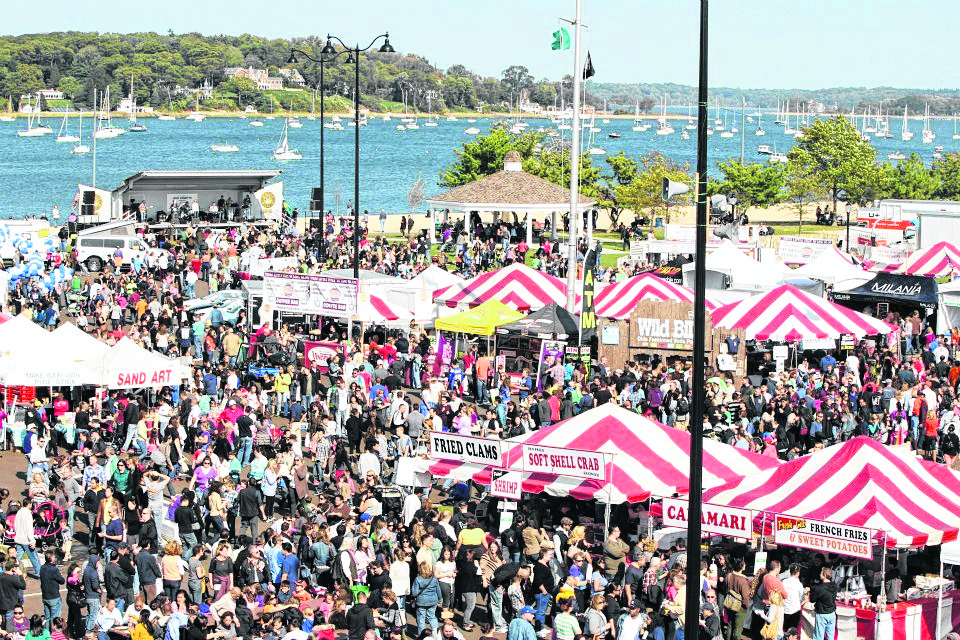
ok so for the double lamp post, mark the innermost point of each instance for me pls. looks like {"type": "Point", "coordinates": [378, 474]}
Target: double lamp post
{"type": "Point", "coordinates": [328, 54]}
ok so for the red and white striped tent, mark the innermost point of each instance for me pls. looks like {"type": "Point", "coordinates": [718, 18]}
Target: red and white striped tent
{"type": "Point", "coordinates": [643, 458]}
{"type": "Point", "coordinates": [618, 300]}
{"type": "Point", "coordinates": [517, 285]}
{"type": "Point", "coordinates": [787, 313]}
{"type": "Point", "coordinates": [374, 309]}
{"type": "Point", "coordinates": [860, 483]}
{"type": "Point", "coordinates": [937, 261]}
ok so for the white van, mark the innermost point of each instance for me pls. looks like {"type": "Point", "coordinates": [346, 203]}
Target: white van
{"type": "Point", "coordinates": [95, 251]}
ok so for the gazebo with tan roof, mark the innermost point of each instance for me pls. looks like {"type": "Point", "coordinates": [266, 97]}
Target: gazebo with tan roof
{"type": "Point", "coordinates": [509, 190]}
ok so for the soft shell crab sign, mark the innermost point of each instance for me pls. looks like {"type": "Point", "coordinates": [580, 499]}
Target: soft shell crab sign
{"type": "Point", "coordinates": [828, 537]}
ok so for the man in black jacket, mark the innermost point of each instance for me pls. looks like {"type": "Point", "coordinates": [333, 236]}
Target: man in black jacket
{"type": "Point", "coordinates": [50, 581]}
{"type": "Point", "coordinates": [131, 416]}
{"type": "Point", "coordinates": [117, 581]}
{"type": "Point", "coordinates": [359, 618]}
{"type": "Point", "coordinates": [148, 569]}
{"type": "Point", "coordinates": [250, 507]}
{"type": "Point", "coordinates": [149, 536]}
{"type": "Point", "coordinates": [11, 584]}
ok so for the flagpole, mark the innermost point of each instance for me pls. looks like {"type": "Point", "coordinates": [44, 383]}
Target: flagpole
{"type": "Point", "coordinates": [574, 225]}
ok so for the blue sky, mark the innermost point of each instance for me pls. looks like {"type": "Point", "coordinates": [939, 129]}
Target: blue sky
{"type": "Point", "coordinates": [776, 44]}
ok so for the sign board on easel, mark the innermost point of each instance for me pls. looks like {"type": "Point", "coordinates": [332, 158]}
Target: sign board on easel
{"type": "Point", "coordinates": [506, 484]}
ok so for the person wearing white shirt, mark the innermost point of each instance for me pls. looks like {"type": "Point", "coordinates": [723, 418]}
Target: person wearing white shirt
{"type": "Point", "coordinates": [108, 618]}
{"type": "Point", "coordinates": [411, 504]}
{"type": "Point", "coordinates": [370, 462]}
{"type": "Point", "coordinates": [794, 600]}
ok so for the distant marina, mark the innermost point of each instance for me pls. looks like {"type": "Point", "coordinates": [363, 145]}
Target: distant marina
{"type": "Point", "coordinates": [43, 173]}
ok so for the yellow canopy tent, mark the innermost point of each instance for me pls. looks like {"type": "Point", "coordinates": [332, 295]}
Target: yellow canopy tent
{"type": "Point", "coordinates": [482, 320]}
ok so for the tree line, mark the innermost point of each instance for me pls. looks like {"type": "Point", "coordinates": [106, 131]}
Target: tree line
{"type": "Point", "coordinates": [831, 161]}
{"type": "Point", "coordinates": [164, 70]}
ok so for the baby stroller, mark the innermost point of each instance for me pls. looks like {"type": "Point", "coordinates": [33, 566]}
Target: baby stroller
{"type": "Point", "coordinates": [48, 525]}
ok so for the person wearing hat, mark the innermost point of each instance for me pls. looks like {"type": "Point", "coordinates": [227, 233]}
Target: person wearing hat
{"type": "Point", "coordinates": [709, 621]}
{"type": "Point", "coordinates": [521, 627]}
{"type": "Point", "coordinates": [633, 625]}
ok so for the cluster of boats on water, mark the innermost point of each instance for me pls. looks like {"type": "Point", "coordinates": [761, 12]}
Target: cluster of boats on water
{"type": "Point", "coordinates": [869, 125]}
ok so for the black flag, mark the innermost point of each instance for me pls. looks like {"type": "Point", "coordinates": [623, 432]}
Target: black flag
{"type": "Point", "coordinates": [588, 71]}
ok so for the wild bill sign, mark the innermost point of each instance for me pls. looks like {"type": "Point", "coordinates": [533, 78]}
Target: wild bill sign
{"type": "Point", "coordinates": [451, 446]}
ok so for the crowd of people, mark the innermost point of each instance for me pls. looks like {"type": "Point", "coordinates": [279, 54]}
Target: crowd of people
{"type": "Point", "coordinates": [265, 505]}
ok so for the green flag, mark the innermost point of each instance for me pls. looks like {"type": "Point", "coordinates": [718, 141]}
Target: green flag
{"type": "Point", "coordinates": [561, 40]}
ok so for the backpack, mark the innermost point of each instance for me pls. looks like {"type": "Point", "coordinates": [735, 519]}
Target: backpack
{"type": "Point", "coordinates": [509, 538]}
{"type": "Point", "coordinates": [655, 397]}
{"type": "Point", "coordinates": [336, 570]}
{"type": "Point", "coordinates": [503, 575]}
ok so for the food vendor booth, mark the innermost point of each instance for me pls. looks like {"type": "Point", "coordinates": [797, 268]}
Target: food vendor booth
{"type": "Point", "coordinates": [862, 499]}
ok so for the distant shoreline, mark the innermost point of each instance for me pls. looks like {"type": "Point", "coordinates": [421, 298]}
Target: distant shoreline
{"type": "Point", "coordinates": [461, 117]}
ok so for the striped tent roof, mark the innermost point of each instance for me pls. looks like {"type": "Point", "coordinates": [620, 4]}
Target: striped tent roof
{"type": "Point", "coordinates": [516, 285]}
{"type": "Point", "coordinates": [644, 458]}
{"type": "Point", "coordinates": [618, 300]}
{"type": "Point", "coordinates": [376, 309]}
{"type": "Point", "coordinates": [787, 313]}
{"type": "Point", "coordinates": [937, 261]}
{"type": "Point", "coordinates": [860, 483]}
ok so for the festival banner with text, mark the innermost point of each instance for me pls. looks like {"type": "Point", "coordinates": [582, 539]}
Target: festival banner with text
{"type": "Point", "coordinates": [451, 446]}
{"type": "Point", "coordinates": [716, 519]}
{"type": "Point", "coordinates": [827, 537]}
{"type": "Point", "coordinates": [564, 462]}
{"type": "Point", "coordinates": [307, 293]}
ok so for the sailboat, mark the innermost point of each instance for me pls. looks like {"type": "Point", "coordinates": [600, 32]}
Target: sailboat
{"type": "Point", "coordinates": [663, 126]}
{"type": "Point", "coordinates": [136, 127]}
{"type": "Point", "coordinates": [787, 129]}
{"type": "Point", "coordinates": [34, 128]}
{"type": "Point", "coordinates": [294, 123]}
{"type": "Point", "coordinates": [956, 136]}
{"type": "Point", "coordinates": [80, 147]}
{"type": "Point", "coordinates": [724, 133]}
{"type": "Point", "coordinates": [927, 133]}
{"type": "Point", "coordinates": [104, 126]}
{"type": "Point", "coordinates": [691, 123]}
{"type": "Point", "coordinates": [283, 150]}
{"type": "Point", "coordinates": [905, 134]}
{"type": "Point", "coordinates": [760, 131]}
{"type": "Point", "coordinates": [224, 148]}
{"type": "Point", "coordinates": [64, 135]}
{"type": "Point", "coordinates": [638, 124]}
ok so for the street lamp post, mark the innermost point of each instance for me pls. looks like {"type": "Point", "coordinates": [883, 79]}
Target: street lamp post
{"type": "Point", "coordinates": [849, 208]}
{"type": "Point", "coordinates": [321, 60]}
{"type": "Point", "coordinates": [330, 52]}
{"type": "Point", "coordinates": [354, 56]}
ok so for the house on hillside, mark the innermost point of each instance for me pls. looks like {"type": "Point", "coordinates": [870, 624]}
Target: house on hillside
{"type": "Point", "coordinates": [263, 80]}
{"type": "Point", "coordinates": [292, 76]}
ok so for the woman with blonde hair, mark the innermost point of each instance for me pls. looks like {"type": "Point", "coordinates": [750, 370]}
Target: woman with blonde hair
{"type": "Point", "coordinates": [577, 542]}
{"type": "Point", "coordinates": [595, 622]}
{"type": "Point", "coordinates": [172, 568]}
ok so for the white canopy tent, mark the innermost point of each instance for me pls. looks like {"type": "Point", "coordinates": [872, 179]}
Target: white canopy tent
{"type": "Point", "coordinates": [44, 365]}
{"type": "Point", "coordinates": [948, 307]}
{"type": "Point", "coordinates": [20, 334]}
{"type": "Point", "coordinates": [833, 267]}
{"type": "Point", "coordinates": [128, 365]}
{"type": "Point", "coordinates": [433, 278]}
{"type": "Point", "coordinates": [730, 268]}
